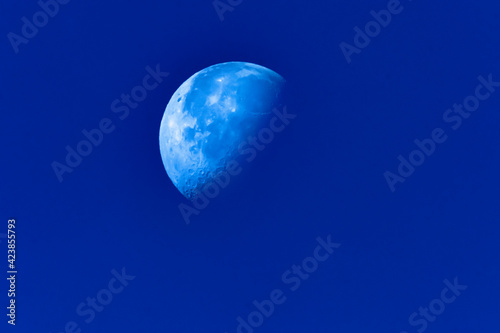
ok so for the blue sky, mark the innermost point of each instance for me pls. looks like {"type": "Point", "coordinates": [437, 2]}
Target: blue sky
{"type": "Point", "coordinates": [104, 247]}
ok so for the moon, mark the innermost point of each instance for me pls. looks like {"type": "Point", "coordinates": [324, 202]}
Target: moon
{"type": "Point", "coordinates": [210, 115]}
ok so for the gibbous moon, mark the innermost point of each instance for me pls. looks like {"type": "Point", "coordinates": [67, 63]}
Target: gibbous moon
{"type": "Point", "coordinates": [210, 115]}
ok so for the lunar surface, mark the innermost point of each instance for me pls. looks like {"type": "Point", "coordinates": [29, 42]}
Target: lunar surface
{"type": "Point", "coordinates": [210, 115]}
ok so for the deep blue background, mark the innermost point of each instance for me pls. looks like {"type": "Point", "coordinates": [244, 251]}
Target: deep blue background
{"type": "Point", "coordinates": [323, 175]}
